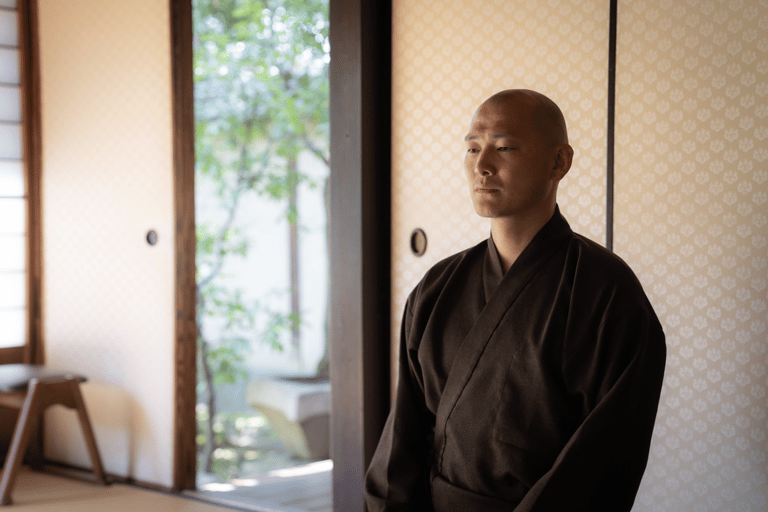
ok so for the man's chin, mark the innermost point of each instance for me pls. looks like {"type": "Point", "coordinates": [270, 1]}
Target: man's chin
{"type": "Point", "coordinates": [489, 212]}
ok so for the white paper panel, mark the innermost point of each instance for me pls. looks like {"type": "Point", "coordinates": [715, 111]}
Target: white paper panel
{"type": "Point", "coordinates": [9, 35]}
{"type": "Point", "coordinates": [9, 66]}
{"type": "Point", "coordinates": [12, 290]}
{"type": "Point", "coordinates": [14, 330]}
{"type": "Point", "coordinates": [12, 216]}
{"type": "Point", "coordinates": [11, 179]}
{"type": "Point", "coordinates": [12, 254]}
{"type": "Point", "coordinates": [10, 141]}
{"type": "Point", "coordinates": [10, 103]}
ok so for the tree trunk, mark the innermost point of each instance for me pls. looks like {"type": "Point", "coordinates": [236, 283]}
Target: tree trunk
{"type": "Point", "coordinates": [210, 442]}
{"type": "Point", "coordinates": [293, 237]}
{"type": "Point", "coordinates": [324, 366]}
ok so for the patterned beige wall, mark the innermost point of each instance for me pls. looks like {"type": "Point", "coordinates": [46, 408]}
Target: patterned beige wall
{"type": "Point", "coordinates": [107, 180]}
{"type": "Point", "coordinates": [448, 56]}
{"type": "Point", "coordinates": [691, 192]}
{"type": "Point", "coordinates": [691, 212]}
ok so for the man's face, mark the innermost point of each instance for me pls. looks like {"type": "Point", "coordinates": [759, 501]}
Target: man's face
{"type": "Point", "coordinates": [509, 162]}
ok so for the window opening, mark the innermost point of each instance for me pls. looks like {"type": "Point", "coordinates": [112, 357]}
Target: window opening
{"type": "Point", "coordinates": [13, 198]}
{"type": "Point", "coordinates": [261, 207]}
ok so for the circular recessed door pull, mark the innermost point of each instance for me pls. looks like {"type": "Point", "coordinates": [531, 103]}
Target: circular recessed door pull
{"type": "Point", "coordinates": [418, 242]}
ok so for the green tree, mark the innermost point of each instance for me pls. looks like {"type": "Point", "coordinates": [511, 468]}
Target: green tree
{"type": "Point", "coordinates": [261, 99]}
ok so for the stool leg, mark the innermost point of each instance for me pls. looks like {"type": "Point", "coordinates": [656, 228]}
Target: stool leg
{"type": "Point", "coordinates": [21, 433]}
{"type": "Point", "coordinates": [85, 424]}
{"type": "Point", "coordinates": [33, 455]}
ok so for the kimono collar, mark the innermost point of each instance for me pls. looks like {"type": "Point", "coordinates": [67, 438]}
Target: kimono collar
{"type": "Point", "coordinates": [556, 228]}
{"type": "Point", "coordinates": [493, 272]}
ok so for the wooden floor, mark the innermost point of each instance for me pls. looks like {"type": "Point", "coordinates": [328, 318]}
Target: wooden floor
{"type": "Point", "coordinates": [304, 488]}
{"type": "Point", "coordinates": [44, 492]}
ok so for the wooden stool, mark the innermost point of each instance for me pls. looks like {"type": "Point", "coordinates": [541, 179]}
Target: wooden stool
{"type": "Point", "coordinates": [32, 389]}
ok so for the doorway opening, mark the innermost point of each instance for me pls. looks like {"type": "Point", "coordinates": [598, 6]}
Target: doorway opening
{"type": "Point", "coordinates": [261, 208]}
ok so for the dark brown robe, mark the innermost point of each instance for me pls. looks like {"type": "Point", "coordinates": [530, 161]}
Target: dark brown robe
{"type": "Point", "coordinates": [536, 390]}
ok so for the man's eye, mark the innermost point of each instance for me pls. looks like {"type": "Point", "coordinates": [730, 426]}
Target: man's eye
{"type": "Point", "coordinates": [472, 150]}
{"type": "Point", "coordinates": [505, 148]}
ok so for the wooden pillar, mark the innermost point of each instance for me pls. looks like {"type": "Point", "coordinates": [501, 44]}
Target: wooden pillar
{"type": "Point", "coordinates": [360, 85]}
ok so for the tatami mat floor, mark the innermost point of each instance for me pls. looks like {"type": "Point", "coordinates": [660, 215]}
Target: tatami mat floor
{"type": "Point", "coordinates": [44, 492]}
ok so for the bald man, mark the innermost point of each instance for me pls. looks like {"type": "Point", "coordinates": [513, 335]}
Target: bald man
{"type": "Point", "coordinates": [531, 364]}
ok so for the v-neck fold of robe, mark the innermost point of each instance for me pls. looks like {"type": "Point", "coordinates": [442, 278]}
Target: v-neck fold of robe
{"type": "Point", "coordinates": [534, 390]}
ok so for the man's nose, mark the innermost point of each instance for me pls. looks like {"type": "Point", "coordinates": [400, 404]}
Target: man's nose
{"type": "Point", "coordinates": [484, 165]}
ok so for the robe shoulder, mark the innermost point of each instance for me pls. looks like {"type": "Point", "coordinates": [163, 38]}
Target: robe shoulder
{"type": "Point", "coordinates": [609, 264]}
{"type": "Point", "coordinates": [598, 274]}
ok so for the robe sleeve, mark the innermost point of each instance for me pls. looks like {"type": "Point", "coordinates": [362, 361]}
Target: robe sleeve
{"type": "Point", "coordinates": [398, 476]}
{"type": "Point", "coordinates": [618, 375]}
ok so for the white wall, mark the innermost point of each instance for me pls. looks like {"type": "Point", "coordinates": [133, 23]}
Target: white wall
{"type": "Point", "coordinates": [107, 180]}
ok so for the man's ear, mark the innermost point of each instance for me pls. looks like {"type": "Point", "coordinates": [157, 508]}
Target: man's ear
{"type": "Point", "coordinates": [563, 160]}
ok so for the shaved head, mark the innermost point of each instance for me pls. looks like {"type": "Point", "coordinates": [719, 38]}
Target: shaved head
{"type": "Point", "coordinates": [545, 116]}
{"type": "Point", "coordinates": [517, 153]}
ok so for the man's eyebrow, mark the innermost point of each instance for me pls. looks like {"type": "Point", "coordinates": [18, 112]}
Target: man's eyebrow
{"type": "Point", "coordinates": [493, 136]}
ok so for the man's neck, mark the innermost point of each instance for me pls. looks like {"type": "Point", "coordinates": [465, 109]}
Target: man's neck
{"type": "Point", "coordinates": [512, 235]}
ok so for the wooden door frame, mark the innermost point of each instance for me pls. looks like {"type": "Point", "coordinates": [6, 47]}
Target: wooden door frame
{"type": "Point", "coordinates": [360, 104]}
{"type": "Point", "coordinates": [360, 80]}
{"type": "Point", "coordinates": [182, 87]}
{"type": "Point", "coordinates": [29, 85]}
{"type": "Point", "coordinates": [31, 139]}
{"type": "Point", "coordinates": [32, 351]}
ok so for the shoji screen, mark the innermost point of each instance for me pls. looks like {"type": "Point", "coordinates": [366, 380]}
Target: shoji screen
{"type": "Point", "coordinates": [691, 213]}
{"type": "Point", "coordinates": [13, 290]}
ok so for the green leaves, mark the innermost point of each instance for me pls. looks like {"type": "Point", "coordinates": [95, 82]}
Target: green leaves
{"type": "Point", "coordinates": [264, 65]}
{"type": "Point", "coordinates": [277, 326]}
{"type": "Point", "coordinates": [226, 364]}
